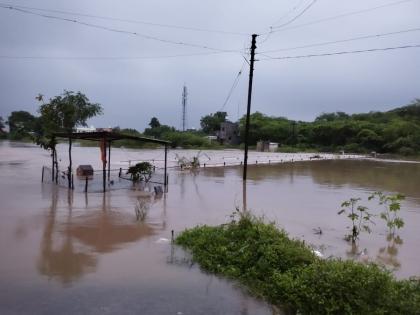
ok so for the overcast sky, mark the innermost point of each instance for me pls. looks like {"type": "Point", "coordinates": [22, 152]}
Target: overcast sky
{"type": "Point", "coordinates": [133, 90]}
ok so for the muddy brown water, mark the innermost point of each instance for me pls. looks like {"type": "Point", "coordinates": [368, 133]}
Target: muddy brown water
{"type": "Point", "coordinates": [68, 252]}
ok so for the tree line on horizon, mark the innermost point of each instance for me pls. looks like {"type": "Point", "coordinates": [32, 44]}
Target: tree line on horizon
{"type": "Point", "coordinates": [394, 131]}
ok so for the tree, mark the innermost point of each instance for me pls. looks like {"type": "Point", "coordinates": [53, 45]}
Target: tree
{"type": "Point", "coordinates": [64, 113]}
{"type": "Point", "coordinates": [157, 132]}
{"type": "Point", "coordinates": [154, 123]}
{"type": "Point", "coordinates": [2, 125]}
{"type": "Point", "coordinates": [21, 124]}
{"type": "Point", "coordinates": [211, 123]}
{"type": "Point", "coordinates": [67, 111]}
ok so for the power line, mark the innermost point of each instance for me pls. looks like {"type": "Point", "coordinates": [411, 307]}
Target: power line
{"type": "Point", "coordinates": [297, 16]}
{"type": "Point", "coordinates": [288, 22]}
{"type": "Point", "coordinates": [330, 18]}
{"type": "Point", "coordinates": [235, 83]}
{"type": "Point", "coordinates": [293, 9]}
{"type": "Point", "coordinates": [111, 58]}
{"type": "Point", "coordinates": [110, 29]}
{"type": "Point", "coordinates": [344, 40]}
{"type": "Point", "coordinates": [341, 52]}
{"type": "Point", "coordinates": [188, 28]}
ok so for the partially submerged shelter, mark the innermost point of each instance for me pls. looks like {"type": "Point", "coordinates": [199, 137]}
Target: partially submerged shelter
{"type": "Point", "coordinates": [105, 139]}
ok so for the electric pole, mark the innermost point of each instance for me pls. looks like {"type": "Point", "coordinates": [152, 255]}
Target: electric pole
{"type": "Point", "coordinates": [248, 109]}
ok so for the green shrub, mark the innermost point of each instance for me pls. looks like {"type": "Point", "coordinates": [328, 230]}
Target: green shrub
{"type": "Point", "coordinates": [141, 172]}
{"type": "Point", "coordinates": [345, 287]}
{"type": "Point", "coordinates": [287, 273]}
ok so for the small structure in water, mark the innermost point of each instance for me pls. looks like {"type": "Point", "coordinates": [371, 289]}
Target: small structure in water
{"type": "Point", "coordinates": [84, 170]}
{"type": "Point", "coordinates": [105, 139]}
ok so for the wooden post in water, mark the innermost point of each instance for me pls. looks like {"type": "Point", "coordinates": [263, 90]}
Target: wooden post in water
{"type": "Point", "coordinates": [103, 157]}
{"type": "Point", "coordinates": [86, 184]}
{"type": "Point", "coordinates": [53, 164]}
{"type": "Point", "coordinates": [69, 173]}
{"type": "Point", "coordinates": [42, 177]}
{"type": "Point", "coordinates": [109, 160]}
{"type": "Point", "coordinates": [165, 181]}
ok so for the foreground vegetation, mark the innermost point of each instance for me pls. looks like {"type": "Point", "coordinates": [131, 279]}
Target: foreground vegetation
{"type": "Point", "coordinates": [288, 274]}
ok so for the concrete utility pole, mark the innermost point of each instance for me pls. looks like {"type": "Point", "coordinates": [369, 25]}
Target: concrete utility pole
{"type": "Point", "coordinates": [248, 110]}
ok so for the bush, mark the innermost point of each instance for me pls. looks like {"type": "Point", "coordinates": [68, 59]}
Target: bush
{"type": "Point", "coordinates": [406, 151]}
{"type": "Point", "coordinates": [287, 273]}
{"type": "Point", "coordinates": [345, 287]}
{"type": "Point", "coordinates": [248, 249]}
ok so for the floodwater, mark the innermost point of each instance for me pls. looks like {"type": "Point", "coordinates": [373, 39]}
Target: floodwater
{"type": "Point", "coordinates": [68, 252]}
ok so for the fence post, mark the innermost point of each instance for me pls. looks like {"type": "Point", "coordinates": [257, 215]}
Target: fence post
{"type": "Point", "coordinates": [42, 177]}
{"type": "Point", "coordinates": [86, 184]}
{"type": "Point", "coordinates": [72, 181]}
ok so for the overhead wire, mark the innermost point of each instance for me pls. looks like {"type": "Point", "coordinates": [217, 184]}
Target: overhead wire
{"type": "Point", "coordinates": [334, 17]}
{"type": "Point", "coordinates": [235, 83]}
{"type": "Point", "coordinates": [105, 58]}
{"type": "Point", "coordinates": [110, 29]}
{"type": "Point", "coordinates": [181, 27]}
{"type": "Point", "coordinates": [297, 16]}
{"type": "Point", "coordinates": [293, 9]}
{"type": "Point", "coordinates": [290, 21]}
{"type": "Point", "coordinates": [340, 52]}
{"type": "Point", "coordinates": [344, 40]}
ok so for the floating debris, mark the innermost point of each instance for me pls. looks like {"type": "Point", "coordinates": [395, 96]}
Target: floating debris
{"type": "Point", "coordinates": [163, 240]}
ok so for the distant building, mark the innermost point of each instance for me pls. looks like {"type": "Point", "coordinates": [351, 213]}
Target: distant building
{"type": "Point", "coordinates": [228, 133]}
{"type": "Point", "coordinates": [109, 129]}
{"type": "Point", "coordinates": [211, 139]}
{"type": "Point", "coordinates": [267, 146]}
{"type": "Point", "coordinates": [85, 129]}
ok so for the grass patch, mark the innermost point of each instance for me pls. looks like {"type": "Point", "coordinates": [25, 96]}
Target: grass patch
{"type": "Point", "coordinates": [288, 274]}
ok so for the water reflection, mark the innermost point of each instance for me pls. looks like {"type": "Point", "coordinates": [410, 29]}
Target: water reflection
{"type": "Point", "coordinates": [64, 262]}
{"type": "Point", "coordinates": [70, 243]}
{"type": "Point", "coordinates": [387, 255]}
{"type": "Point", "coordinates": [339, 173]}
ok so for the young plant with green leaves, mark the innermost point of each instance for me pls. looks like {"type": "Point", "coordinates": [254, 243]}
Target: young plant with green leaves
{"type": "Point", "coordinates": [392, 206]}
{"type": "Point", "coordinates": [359, 216]}
{"type": "Point", "coordinates": [141, 172]}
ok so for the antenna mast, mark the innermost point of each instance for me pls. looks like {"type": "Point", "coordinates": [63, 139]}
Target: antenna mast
{"type": "Point", "coordinates": [184, 107]}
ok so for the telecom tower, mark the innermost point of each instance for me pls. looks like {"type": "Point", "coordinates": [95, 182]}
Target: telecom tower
{"type": "Point", "coordinates": [184, 107]}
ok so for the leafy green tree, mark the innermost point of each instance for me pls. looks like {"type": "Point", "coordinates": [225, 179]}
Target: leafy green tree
{"type": "Point", "coordinates": [64, 113]}
{"type": "Point", "coordinates": [211, 123]}
{"type": "Point", "coordinates": [2, 125]}
{"type": "Point", "coordinates": [154, 123]}
{"type": "Point", "coordinates": [67, 111]}
{"type": "Point", "coordinates": [157, 132]}
{"type": "Point", "coordinates": [21, 124]}
{"type": "Point", "coordinates": [332, 116]}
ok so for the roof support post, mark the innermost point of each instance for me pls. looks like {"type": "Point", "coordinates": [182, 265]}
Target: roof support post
{"type": "Point", "coordinates": [109, 160]}
{"type": "Point", "coordinates": [103, 157]}
{"type": "Point", "coordinates": [165, 180]}
{"type": "Point", "coordinates": [69, 172]}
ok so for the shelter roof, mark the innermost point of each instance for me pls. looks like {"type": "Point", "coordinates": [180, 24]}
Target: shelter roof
{"type": "Point", "coordinates": [107, 135]}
